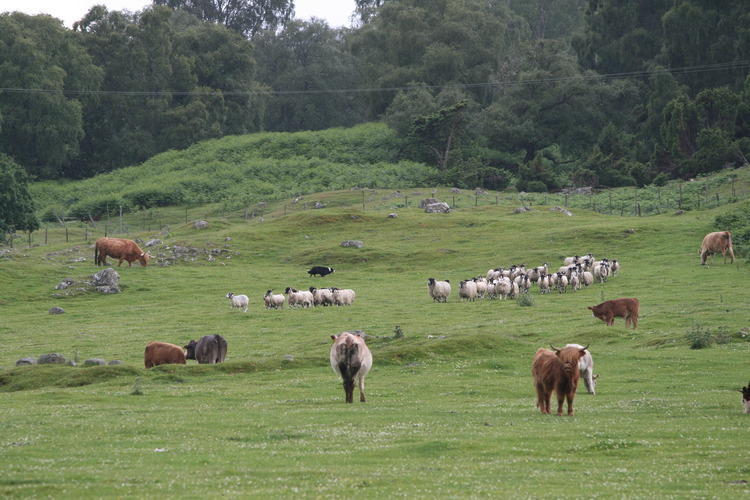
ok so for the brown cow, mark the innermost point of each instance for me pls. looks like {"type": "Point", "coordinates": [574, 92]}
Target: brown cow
{"type": "Point", "coordinates": [556, 371]}
{"type": "Point", "coordinates": [119, 248]}
{"type": "Point", "coordinates": [713, 243]}
{"type": "Point", "coordinates": [618, 308]}
{"type": "Point", "coordinates": [351, 359]}
{"type": "Point", "coordinates": [162, 353]}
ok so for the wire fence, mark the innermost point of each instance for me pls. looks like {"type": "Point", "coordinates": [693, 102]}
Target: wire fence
{"type": "Point", "coordinates": [679, 197]}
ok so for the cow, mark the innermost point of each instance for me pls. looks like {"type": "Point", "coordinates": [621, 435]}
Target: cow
{"type": "Point", "coordinates": [746, 398]}
{"type": "Point", "coordinates": [351, 360]}
{"type": "Point", "coordinates": [586, 368]}
{"type": "Point", "coordinates": [713, 243]}
{"type": "Point", "coordinates": [162, 353]}
{"type": "Point", "coordinates": [321, 271]}
{"type": "Point", "coordinates": [626, 309]}
{"type": "Point", "coordinates": [556, 370]}
{"type": "Point", "coordinates": [210, 349]}
{"type": "Point", "coordinates": [119, 248]}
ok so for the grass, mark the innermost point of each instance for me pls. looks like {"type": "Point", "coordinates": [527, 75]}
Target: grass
{"type": "Point", "coordinates": [450, 409]}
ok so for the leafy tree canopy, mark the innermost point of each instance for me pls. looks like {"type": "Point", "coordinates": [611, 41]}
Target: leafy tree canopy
{"type": "Point", "coordinates": [16, 207]}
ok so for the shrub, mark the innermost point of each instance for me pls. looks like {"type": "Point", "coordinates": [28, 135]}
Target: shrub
{"type": "Point", "coordinates": [525, 300]}
{"type": "Point", "coordinates": [700, 337]}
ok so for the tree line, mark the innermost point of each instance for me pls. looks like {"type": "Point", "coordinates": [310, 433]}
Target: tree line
{"type": "Point", "coordinates": [542, 93]}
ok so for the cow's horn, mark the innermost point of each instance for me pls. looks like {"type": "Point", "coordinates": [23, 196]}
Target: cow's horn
{"type": "Point", "coordinates": [554, 348]}
{"type": "Point", "coordinates": [587, 346]}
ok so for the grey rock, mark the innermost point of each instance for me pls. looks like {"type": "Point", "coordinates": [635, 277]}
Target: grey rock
{"type": "Point", "coordinates": [200, 224]}
{"type": "Point", "coordinates": [54, 358]}
{"type": "Point", "coordinates": [114, 362]}
{"type": "Point", "coordinates": [25, 361]}
{"type": "Point", "coordinates": [352, 243]}
{"type": "Point", "coordinates": [56, 310]}
{"type": "Point", "coordinates": [562, 211]}
{"type": "Point", "coordinates": [94, 362]}
{"type": "Point", "coordinates": [153, 242]}
{"type": "Point", "coordinates": [106, 277]}
{"type": "Point", "coordinates": [427, 201]}
{"type": "Point", "coordinates": [437, 208]}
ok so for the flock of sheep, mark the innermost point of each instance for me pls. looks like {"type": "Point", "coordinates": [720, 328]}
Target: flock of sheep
{"type": "Point", "coordinates": [297, 298]}
{"type": "Point", "coordinates": [576, 272]}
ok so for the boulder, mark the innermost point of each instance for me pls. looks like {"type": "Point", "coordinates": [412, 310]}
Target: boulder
{"type": "Point", "coordinates": [94, 362]}
{"type": "Point", "coordinates": [352, 243]}
{"type": "Point", "coordinates": [153, 242]}
{"type": "Point", "coordinates": [521, 210]}
{"type": "Point", "coordinates": [25, 361]}
{"type": "Point", "coordinates": [54, 358]}
{"type": "Point", "coordinates": [106, 281]}
{"type": "Point", "coordinates": [437, 208]}
{"type": "Point", "coordinates": [56, 310]}
{"type": "Point", "coordinates": [562, 211]}
{"type": "Point", "coordinates": [200, 224]}
{"type": "Point", "coordinates": [427, 201]}
{"type": "Point", "coordinates": [115, 362]}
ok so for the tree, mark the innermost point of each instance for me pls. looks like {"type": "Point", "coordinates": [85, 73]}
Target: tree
{"type": "Point", "coordinates": [248, 17]}
{"type": "Point", "coordinates": [439, 131]}
{"type": "Point", "coordinates": [16, 206]}
{"type": "Point", "coordinates": [307, 65]}
{"type": "Point", "coordinates": [43, 124]}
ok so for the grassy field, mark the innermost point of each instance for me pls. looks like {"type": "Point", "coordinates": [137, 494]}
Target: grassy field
{"type": "Point", "coordinates": [451, 408]}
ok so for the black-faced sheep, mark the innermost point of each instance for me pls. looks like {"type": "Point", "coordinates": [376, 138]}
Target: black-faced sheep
{"type": "Point", "coordinates": [439, 290]}
{"type": "Point", "coordinates": [238, 301]}
{"type": "Point", "coordinates": [273, 300]}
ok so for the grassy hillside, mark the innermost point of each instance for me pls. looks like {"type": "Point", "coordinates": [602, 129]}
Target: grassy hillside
{"type": "Point", "coordinates": [450, 409]}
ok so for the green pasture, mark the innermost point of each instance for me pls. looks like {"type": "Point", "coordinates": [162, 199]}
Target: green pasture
{"type": "Point", "coordinates": [451, 408]}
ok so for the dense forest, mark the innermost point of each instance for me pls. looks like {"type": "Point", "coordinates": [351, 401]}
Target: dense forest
{"type": "Point", "coordinates": [543, 93]}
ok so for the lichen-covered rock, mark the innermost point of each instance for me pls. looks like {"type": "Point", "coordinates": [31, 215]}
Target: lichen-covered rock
{"type": "Point", "coordinates": [437, 208]}
{"type": "Point", "coordinates": [200, 224]}
{"type": "Point", "coordinates": [106, 281]}
{"type": "Point", "coordinates": [25, 361]}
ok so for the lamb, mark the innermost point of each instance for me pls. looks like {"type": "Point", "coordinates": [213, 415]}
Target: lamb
{"type": "Point", "coordinates": [343, 297]}
{"type": "Point", "coordinates": [273, 301]}
{"type": "Point", "coordinates": [467, 289]}
{"type": "Point", "coordinates": [238, 301]}
{"type": "Point", "coordinates": [439, 290]}
{"type": "Point", "coordinates": [746, 398]}
{"type": "Point", "coordinates": [586, 366]}
{"type": "Point", "coordinates": [298, 298]}
{"type": "Point", "coordinates": [322, 296]}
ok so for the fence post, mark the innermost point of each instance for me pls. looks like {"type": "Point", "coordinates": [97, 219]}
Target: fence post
{"type": "Point", "coordinates": [66, 234]}
{"type": "Point", "coordinates": [121, 219]}
{"type": "Point", "coordinates": [45, 235]}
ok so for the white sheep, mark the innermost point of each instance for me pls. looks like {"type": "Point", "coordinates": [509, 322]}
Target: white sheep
{"type": "Point", "coordinates": [238, 301]}
{"type": "Point", "coordinates": [614, 267]}
{"type": "Point", "coordinates": [273, 301]}
{"type": "Point", "coordinates": [467, 289]}
{"type": "Point", "coordinates": [587, 279]}
{"type": "Point", "coordinates": [601, 271]}
{"type": "Point", "coordinates": [503, 288]}
{"type": "Point", "coordinates": [586, 367]}
{"type": "Point", "coordinates": [439, 290]}
{"type": "Point", "coordinates": [543, 283]}
{"type": "Point", "coordinates": [523, 282]}
{"type": "Point", "coordinates": [575, 281]}
{"type": "Point", "coordinates": [562, 283]}
{"type": "Point", "coordinates": [298, 298]}
{"type": "Point", "coordinates": [322, 296]}
{"type": "Point", "coordinates": [343, 297]}
{"type": "Point", "coordinates": [481, 286]}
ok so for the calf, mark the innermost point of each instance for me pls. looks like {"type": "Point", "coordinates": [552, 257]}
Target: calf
{"type": "Point", "coordinates": [586, 367]}
{"type": "Point", "coordinates": [618, 308]}
{"type": "Point", "coordinates": [713, 243]}
{"type": "Point", "coordinates": [351, 360]}
{"type": "Point", "coordinates": [556, 370]}
{"type": "Point", "coordinates": [320, 271]}
{"type": "Point", "coordinates": [210, 349]}
{"type": "Point", "coordinates": [162, 353]}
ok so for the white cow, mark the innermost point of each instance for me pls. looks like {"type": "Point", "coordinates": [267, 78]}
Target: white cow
{"type": "Point", "coordinates": [586, 367]}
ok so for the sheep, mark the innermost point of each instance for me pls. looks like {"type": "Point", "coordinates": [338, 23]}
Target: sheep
{"type": "Point", "coordinates": [343, 297]}
{"type": "Point", "coordinates": [481, 286]}
{"type": "Point", "coordinates": [746, 398]}
{"type": "Point", "coordinates": [467, 289]}
{"type": "Point", "coordinates": [571, 260]}
{"type": "Point", "coordinates": [614, 267]}
{"type": "Point", "coordinates": [299, 299]}
{"type": "Point", "coordinates": [587, 279]}
{"type": "Point", "coordinates": [575, 282]}
{"type": "Point", "coordinates": [535, 272]}
{"type": "Point", "coordinates": [322, 296]}
{"type": "Point", "coordinates": [503, 288]}
{"type": "Point", "coordinates": [514, 290]}
{"type": "Point", "coordinates": [273, 301]}
{"type": "Point", "coordinates": [543, 283]}
{"type": "Point", "coordinates": [238, 301]}
{"type": "Point", "coordinates": [439, 290]}
{"type": "Point", "coordinates": [562, 283]}
{"type": "Point", "coordinates": [601, 271]}
{"type": "Point", "coordinates": [523, 282]}
{"type": "Point", "coordinates": [494, 273]}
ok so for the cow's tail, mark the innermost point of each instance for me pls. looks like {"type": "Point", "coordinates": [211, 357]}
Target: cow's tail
{"type": "Point", "coordinates": [96, 254]}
